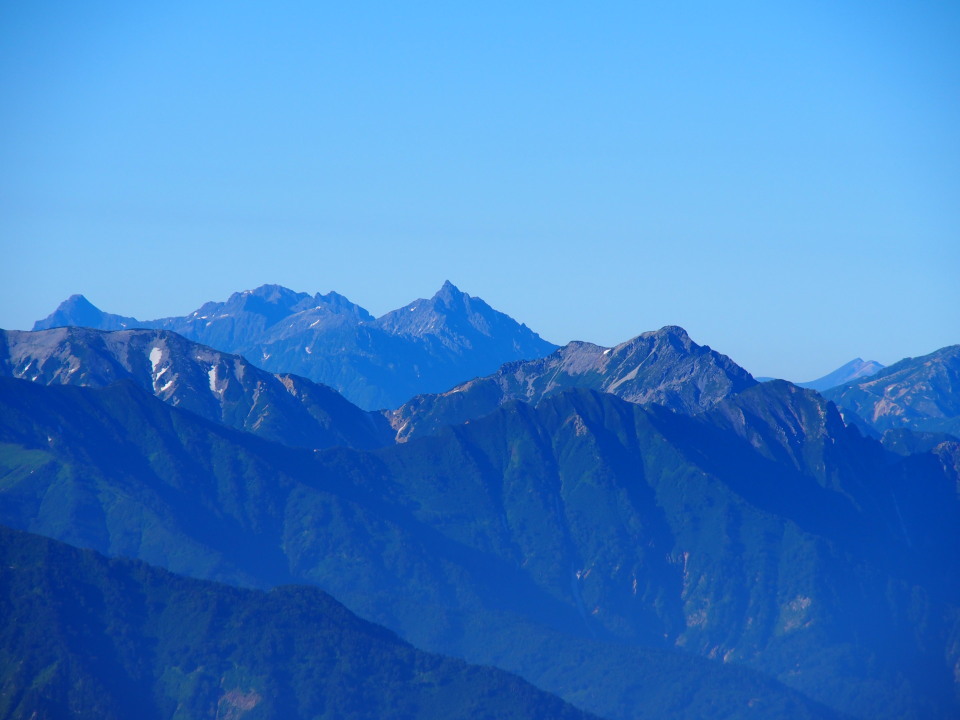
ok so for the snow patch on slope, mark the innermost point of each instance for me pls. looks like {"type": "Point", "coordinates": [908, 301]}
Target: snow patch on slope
{"type": "Point", "coordinates": [155, 355]}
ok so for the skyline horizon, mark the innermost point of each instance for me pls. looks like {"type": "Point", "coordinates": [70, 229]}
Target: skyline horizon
{"type": "Point", "coordinates": [781, 181]}
{"type": "Point", "coordinates": [379, 314]}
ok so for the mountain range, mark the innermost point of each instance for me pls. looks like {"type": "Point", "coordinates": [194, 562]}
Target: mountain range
{"type": "Point", "coordinates": [916, 393]}
{"type": "Point", "coordinates": [664, 367]}
{"type": "Point", "coordinates": [426, 346]}
{"type": "Point", "coordinates": [218, 386]}
{"type": "Point", "coordinates": [762, 532]}
{"type": "Point", "coordinates": [643, 530]}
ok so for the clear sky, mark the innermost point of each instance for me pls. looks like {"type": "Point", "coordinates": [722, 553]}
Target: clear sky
{"type": "Point", "coordinates": [781, 179]}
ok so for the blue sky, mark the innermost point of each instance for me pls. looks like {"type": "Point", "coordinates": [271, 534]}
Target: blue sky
{"type": "Point", "coordinates": [782, 181]}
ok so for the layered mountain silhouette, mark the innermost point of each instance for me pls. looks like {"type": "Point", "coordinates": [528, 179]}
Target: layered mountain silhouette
{"type": "Point", "coordinates": [426, 346]}
{"type": "Point", "coordinates": [215, 385]}
{"type": "Point", "coordinates": [916, 394]}
{"type": "Point", "coordinates": [851, 371]}
{"type": "Point", "coordinates": [615, 553]}
{"type": "Point", "coordinates": [664, 367]}
{"type": "Point", "coordinates": [90, 638]}
{"type": "Point", "coordinates": [616, 525]}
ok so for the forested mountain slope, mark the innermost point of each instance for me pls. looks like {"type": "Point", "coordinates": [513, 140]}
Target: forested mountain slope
{"type": "Point", "coordinates": [85, 637]}
{"type": "Point", "coordinates": [549, 540]}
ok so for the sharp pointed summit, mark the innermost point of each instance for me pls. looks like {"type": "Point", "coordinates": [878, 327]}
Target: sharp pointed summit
{"type": "Point", "coordinates": [460, 321]}
{"type": "Point", "coordinates": [77, 311]}
{"type": "Point", "coordinates": [449, 292]}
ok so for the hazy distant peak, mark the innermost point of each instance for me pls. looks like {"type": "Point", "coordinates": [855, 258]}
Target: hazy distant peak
{"type": "Point", "coordinates": [854, 370]}
{"type": "Point", "coordinates": [76, 310]}
{"type": "Point", "coordinates": [426, 346]}
{"type": "Point", "coordinates": [77, 299]}
{"type": "Point", "coordinates": [78, 305]}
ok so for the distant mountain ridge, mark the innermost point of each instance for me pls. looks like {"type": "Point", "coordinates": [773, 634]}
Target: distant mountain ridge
{"type": "Point", "coordinates": [856, 368]}
{"type": "Point", "coordinates": [534, 520]}
{"type": "Point", "coordinates": [427, 346]}
{"type": "Point", "coordinates": [215, 385]}
{"type": "Point", "coordinates": [920, 393]}
{"type": "Point", "coordinates": [663, 366]}
{"type": "Point", "coordinates": [853, 370]}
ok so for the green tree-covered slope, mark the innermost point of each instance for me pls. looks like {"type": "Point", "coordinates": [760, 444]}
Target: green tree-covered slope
{"type": "Point", "coordinates": [85, 637]}
{"type": "Point", "coordinates": [586, 544]}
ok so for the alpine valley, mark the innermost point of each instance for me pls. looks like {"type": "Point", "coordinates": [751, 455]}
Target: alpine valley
{"type": "Point", "coordinates": [641, 531]}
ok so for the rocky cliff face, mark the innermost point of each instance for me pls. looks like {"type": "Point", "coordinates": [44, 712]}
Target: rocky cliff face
{"type": "Point", "coordinates": [217, 386]}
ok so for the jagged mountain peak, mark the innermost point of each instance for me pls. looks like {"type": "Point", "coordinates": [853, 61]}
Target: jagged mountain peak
{"type": "Point", "coordinates": [276, 303]}
{"type": "Point", "coordinates": [448, 289]}
{"type": "Point", "coordinates": [664, 366]}
{"type": "Point", "coordinates": [448, 300]}
{"type": "Point", "coordinates": [457, 319]}
{"type": "Point", "coordinates": [427, 346]}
